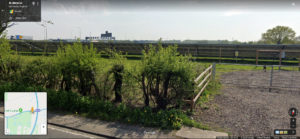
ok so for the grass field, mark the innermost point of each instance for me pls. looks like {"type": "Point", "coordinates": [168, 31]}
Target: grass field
{"type": "Point", "coordinates": [199, 59]}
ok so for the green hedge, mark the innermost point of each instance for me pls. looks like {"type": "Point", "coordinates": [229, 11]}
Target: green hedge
{"type": "Point", "coordinates": [96, 108]}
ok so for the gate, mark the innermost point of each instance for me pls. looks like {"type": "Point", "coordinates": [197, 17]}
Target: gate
{"type": "Point", "coordinates": [272, 77]}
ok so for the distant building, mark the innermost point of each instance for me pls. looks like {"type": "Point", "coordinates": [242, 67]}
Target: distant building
{"type": "Point", "coordinates": [105, 36]}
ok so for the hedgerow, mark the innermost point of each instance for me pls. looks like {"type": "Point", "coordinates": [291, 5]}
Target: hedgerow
{"type": "Point", "coordinates": [77, 80]}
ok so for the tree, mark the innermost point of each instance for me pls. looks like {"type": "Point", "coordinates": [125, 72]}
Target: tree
{"type": "Point", "coordinates": [297, 40]}
{"type": "Point", "coordinates": [118, 72]}
{"type": "Point", "coordinates": [4, 26]}
{"type": "Point", "coordinates": [279, 35]}
{"type": "Point", "coordinates": [10, 63]}
{"type": "Point", "coordinates": [77, 64]}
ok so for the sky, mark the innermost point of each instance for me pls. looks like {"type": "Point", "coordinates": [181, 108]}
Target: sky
{"type": "Point", "coordinates": [242, 20]}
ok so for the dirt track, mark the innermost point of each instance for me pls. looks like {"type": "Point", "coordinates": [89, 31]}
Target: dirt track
{"type": "Point", "coordinates": [251, 111]}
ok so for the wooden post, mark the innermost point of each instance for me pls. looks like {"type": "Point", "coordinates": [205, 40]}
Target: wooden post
{"type": "Point", "coordinates": [299, 64]}
{"type": "Point", "coordinates": [220, 53]}
{"type": "Point", "coordinates": [31, 50]}
{"type": "Point", "coordinates": [257, 57]}
{"type": "Point", "coordinates": [197, 52]}
{"type": "Point", "coordinates": [192, 105]}
{"type": "Point", "coordinates": [280, 58]}
{"type": "Point", "coordinates": [271, 79]}
{"type": "Point", "coordinates": [213, 71]}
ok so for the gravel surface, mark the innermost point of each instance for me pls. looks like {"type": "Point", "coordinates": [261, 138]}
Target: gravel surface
{"type": "Point", "coordinates": [245, 106]}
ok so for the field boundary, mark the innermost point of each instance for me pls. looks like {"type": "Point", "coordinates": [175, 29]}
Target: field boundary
{"type": "Point", "coordinates": [277, 77]}
{"type": "Point", "coordinates": [204, 78]}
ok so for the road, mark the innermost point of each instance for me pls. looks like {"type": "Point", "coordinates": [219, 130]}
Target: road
{"type": "Point", "coordinates": [53, 132]}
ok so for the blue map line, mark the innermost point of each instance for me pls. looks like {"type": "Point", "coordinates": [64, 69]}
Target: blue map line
{"type": "Point", "coordinates": [22, 113]}
{"type": "Point", "coordinates": [37, 113]}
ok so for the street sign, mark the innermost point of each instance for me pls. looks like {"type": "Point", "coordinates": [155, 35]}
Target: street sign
{"type": "Point", "coordinates": [283, 54]}
{"type": "Point", "coordinates": [236, 53]}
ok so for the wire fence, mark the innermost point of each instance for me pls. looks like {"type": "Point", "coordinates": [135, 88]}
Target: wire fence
{"type": "Point", "coordinates": [273, 78]}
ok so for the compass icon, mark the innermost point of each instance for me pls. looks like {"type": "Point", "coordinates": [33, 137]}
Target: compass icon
{"type": "Point", "coordinates": [293, 112]}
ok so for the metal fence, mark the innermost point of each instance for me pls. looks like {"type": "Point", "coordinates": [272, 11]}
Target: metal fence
{"type": "Point", "coordinates": [272, 78]}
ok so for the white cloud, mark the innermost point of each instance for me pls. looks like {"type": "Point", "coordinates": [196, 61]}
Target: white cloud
{"type": "Point", "coordinates": [293, 4]}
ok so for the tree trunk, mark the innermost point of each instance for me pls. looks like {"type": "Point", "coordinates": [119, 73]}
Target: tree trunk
{"type": "Point", "coordinates": [66, 80]}
{"type": "Point", "coordinates": [161, 103]}
{"type": "Point", "coordinates": [146, 96]}
{"type": "Point", "coordinates": [166, 85]}
{"type": "Point", "coordinates": [118, 87]}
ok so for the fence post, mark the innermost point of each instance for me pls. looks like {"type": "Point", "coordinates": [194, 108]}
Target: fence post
{"type": "Point", "coordinates": [271, 79]}
{"type": "Point", "coordinates": [213, 71]}
{"type": "Point", "coordinates": [299, 64]}
{"type": "Point", "coordinates": [192, 105]}
{"type": "Point", "coordinates": [220, 54]}
{"type": "Point", "coordinates": [257, 52]}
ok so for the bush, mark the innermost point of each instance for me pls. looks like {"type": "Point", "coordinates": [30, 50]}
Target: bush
{"type": "Point", "coordinates": [118, 72]}
{"type": "Point", "coordinates": [77, 64]}
{"type": "Point", "coordinates": [166, 76]}
{"type": "Point", "coordinates": [40, 72]}
{"type": "Point", "coordinates": [163, 75]}
{"type": "Point", "coordinates": [9, 63]}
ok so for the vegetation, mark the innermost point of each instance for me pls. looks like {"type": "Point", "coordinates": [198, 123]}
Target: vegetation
{"type": "Point", "coordinates": [239, 60]}
{"type": "Point", "coordinates": [148, 92]}
{"type": "Point", "coordinates": [9, 64]}
{"type": "Point", "coordinates": [118, 71]}
{"type": "Point", "coordinates": [5, 25]}
{"type": "Point", "coordinates": [165, 76]}
{"type": "Point", "coordinates": [297, 40]}
{"type": "Point", "coordinates": [97, 108]}
{"type": "Point", "coordinates": [2, 29]}
{"type": "Point", "coordinates": [78, 80]}
{"type": "Point", "coordinates": [279, 35]}
{"type": "Point", "coordinates": [77, 65]}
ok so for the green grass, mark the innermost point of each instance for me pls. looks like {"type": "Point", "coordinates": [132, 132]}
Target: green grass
{"type": "Point", "coordinates": [35, 53]}
{"type": "Point", "coordinates": [200, 59]}
{"type": "Point", "coordinates": [188, 122]}
{"type": "Point", "coordinates": [208, 94]}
